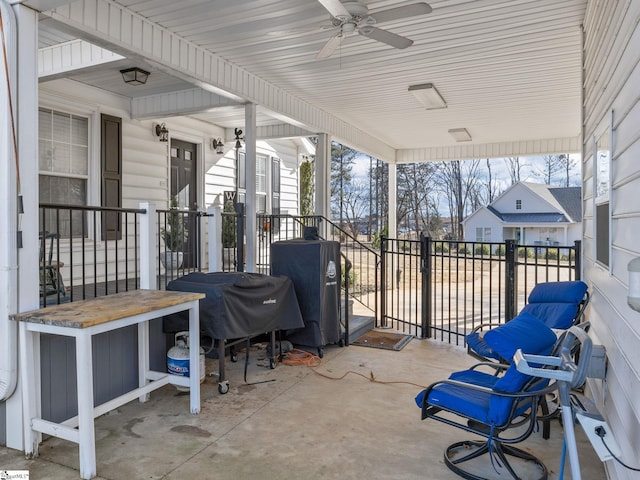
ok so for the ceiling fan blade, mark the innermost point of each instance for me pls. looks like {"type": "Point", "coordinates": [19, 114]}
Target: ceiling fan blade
{"type": "Point", "coordinates": [335, 8]}
{"type": "Point", "coordinates": [329, 47]}
{"type": "Point", "coordinates": [384, 36]}
{"type": "Point", "coordinates": [402, 12]}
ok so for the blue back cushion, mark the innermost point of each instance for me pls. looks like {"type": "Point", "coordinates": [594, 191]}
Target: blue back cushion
{"type": "Point", "coordinates": [556, 303]}
{"type": "Point", "coordinates": [558, 292]}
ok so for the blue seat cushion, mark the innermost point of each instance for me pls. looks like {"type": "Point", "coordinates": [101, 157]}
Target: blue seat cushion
{"type": "Point", "coordinates": [524, 332]}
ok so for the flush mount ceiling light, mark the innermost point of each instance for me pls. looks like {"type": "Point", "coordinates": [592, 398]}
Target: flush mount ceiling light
{"type": "Point", "coordinates": [428, 95]}
{"type": "Point", "coordinates": [217, 145]}
{"type": "Point", "coordinates": [460, 134]}
{"type": "Point", "coordinates": [134, 76]}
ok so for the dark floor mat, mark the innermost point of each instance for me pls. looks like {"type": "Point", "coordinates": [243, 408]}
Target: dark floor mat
{"type": "Point", "coordinates": [384, 340]}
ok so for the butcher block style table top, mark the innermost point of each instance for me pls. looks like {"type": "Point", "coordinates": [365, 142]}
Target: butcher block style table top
{"type": "Point", "coordinates": [94, 311]}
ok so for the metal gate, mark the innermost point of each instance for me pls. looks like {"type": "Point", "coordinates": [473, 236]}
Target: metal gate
{"type": "Point", "coordinates": [443, 289]}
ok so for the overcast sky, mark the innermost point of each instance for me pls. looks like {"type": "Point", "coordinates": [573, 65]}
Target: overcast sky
{"type": "Point", "coordinates": [532, 168]}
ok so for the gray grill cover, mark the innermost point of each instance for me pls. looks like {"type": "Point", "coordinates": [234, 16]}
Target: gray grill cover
{"type": "Point", "coordinates": [314, 268]}
{"type": "Point", "coordinates": [238, 305]}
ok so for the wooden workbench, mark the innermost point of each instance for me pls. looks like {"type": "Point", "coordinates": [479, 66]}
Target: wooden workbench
{"type": "Point", "coordinates": [82, 320]}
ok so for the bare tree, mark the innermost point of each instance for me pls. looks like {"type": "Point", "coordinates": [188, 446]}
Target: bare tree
{"type": "Point", "coordinates": [551, 166]}
{"type": "Point", "coordinates": [415, 192]}
{"type": "Point", "coordinates": [459, 181]}
{"type": "Point", "coordinates": [355, 206]}
{"type": "Point", "coordinates": [493, 188]}
{"type": "Point", "coordinates": [342, 158]}
{"type": "Point", "coordinates": [568, 164]}
{"type": "Point", "coordinates": [514, 167]}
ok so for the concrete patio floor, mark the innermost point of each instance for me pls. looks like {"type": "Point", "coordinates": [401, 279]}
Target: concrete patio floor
{"type": "Point", "coordinates": [297, 424]}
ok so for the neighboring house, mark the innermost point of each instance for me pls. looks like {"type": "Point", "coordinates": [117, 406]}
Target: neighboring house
{"type": "Point", "coordinates": [531, 214]}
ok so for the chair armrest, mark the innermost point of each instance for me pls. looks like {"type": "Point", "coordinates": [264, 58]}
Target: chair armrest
{"type": "Point", "coordinates": [482, 326]}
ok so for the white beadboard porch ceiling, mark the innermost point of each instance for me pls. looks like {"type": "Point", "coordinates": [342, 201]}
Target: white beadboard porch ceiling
{"type": "Point", "coordinates": [509, 70]}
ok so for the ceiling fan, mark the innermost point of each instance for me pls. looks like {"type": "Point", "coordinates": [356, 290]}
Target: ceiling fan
{"type": "Point", "coordinates": [352, 17]}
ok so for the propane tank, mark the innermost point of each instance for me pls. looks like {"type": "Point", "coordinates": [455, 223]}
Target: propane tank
{"type": "Point", "coordinates": [178, 359]}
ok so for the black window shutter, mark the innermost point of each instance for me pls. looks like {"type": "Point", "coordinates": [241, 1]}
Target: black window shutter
{"type": "Point", "coordinates": [111, 173]}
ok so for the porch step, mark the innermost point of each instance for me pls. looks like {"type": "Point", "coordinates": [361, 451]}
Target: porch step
{"type": "Point", "coordinates": [359, 325]}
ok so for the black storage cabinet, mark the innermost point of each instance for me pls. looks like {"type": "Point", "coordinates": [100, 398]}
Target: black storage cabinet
{"type": "Point", "coordinates": [314, 268]}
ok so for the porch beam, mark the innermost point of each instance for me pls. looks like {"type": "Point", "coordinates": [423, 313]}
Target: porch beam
{"type": "Point", "coordinates": [127, 33]}
{"type": "Point", "coordinates": [545, 146]}
{"type": "Point", "coordinates": [282, 130]}
{"type": "Point", "coordinates": [58, 61]}
{"type": "Point", "coordinates": [181, 102]}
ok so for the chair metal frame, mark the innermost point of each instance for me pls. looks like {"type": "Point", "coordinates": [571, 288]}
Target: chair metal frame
{"type": "Point", "coordinates": [523, 411]}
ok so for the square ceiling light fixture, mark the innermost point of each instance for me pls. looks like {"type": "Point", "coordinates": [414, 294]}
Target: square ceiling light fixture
{"type": "Point", "coordinates": [428, 95]}
{"type": "Point", "coordinates": [134, 76]}
{"type": "Point", "coordinates": [460, 134]}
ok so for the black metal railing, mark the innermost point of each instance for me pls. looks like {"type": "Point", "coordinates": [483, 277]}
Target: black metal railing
{"type": "Point", "coordinates": [180, 234]}
{"type": "Point", "coordinates": [87, 252]}
{"type": "Point", "coordinates": [365, 260]}
{"type": "Point", "coordinates": [443, 289]}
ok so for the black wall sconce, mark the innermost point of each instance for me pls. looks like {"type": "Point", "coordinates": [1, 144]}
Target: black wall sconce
{"type": "Point", "coordinates": [217, 145]}
{"type": "Point", "coordinates": [134, 76]}
{"type": "Point", "coordinates": [161, 132]}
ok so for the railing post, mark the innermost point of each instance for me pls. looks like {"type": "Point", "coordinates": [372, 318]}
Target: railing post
{"type": "Point", "coordinates": [383, 282]}
{"type": "Point", "coordinates": [578, 260]}
{"type": "Point", "coordinates": [240, 237]}
{"type": "Point", "coordinates": [148, 246]}
{"type": "Point", "coordinates": [511, 250]}
{"type": "Point", "coordinates": [425, 270]}
{"type": "Point", "coordinates": [214, 212]}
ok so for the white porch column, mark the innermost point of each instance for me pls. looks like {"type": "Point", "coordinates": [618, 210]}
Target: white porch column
{"type": "Point", "coordinates": [322, 167]}
{"type": "Point", "coordinates": [250, 203]}
{"type": "Point", "coordinates": [215, 236]}
{"type": "Point", "coordinates": [26, 91]}
{"type": "Point", "coordinates": [393, 201]}
{"type": "Point", "coordinates": [148, 246]}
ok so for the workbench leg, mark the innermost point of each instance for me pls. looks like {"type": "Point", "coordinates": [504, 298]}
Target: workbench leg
{"type": "Point", "coordinates": [143, 358]}
{"type": "Point", "coordinates": [86, 429]}
{"type": "Point", "coordinates": [30, 391]}
{"type": "Point", "coordinates": [194, 356]}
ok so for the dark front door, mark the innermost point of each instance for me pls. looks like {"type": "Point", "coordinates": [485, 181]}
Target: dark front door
{"type": "Point", "coordinates": [184, 188]}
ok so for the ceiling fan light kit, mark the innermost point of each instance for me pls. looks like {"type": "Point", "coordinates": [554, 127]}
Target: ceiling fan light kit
{"type": "Point", "coordinates": [352, 18]}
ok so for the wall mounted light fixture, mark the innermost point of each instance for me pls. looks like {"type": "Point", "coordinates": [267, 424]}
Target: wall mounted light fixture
{"type": "Point", "coordinates": [217, 145]}
{"type": "Point", "coordinates": [633, 297]}
{"type": "Point", "coordinates": [160, 130]}
{"type": "Point", "coordinates": [238, 134]}
{"type": "Point", "coordinates": [134, 76]}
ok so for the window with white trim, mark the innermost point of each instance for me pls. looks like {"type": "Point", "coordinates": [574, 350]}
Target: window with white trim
{"type": "Point", "coordinates": [63, 166]}
{"type": "Point", "coordinates": [602, 191]}
{"type": "Point", "coordinates": [261, 183]}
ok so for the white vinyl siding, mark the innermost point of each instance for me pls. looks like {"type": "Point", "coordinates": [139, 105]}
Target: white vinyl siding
{"type": "Point", "coordinates": [611, 78]}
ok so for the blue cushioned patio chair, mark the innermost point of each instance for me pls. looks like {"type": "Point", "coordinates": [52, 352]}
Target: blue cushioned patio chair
{"type": "Point", "coordinates": [559, 305]}
{"type": "Point", "coordinates": [491, 406]}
